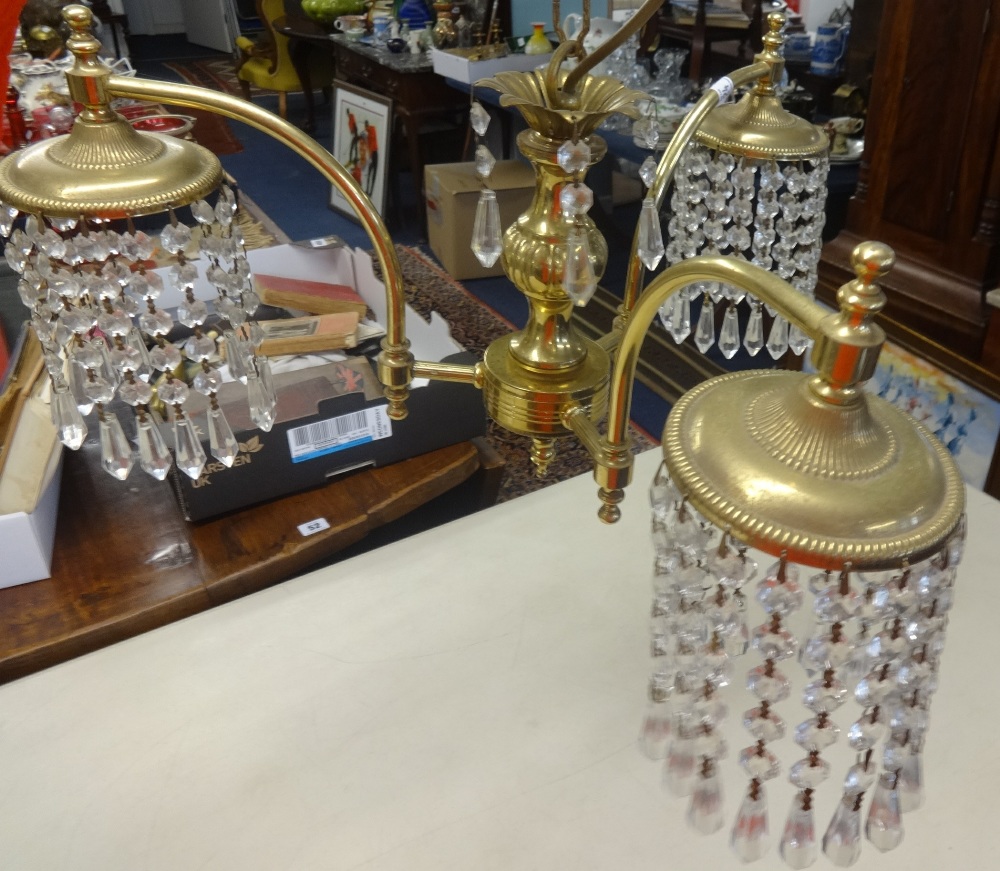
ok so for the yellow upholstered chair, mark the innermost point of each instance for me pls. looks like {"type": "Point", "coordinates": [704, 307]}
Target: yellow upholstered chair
{"type": "Point", "coordinates": [266, 62]}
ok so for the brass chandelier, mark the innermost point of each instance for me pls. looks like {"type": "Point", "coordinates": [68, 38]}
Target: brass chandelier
{"type": "Point", "coordinates": [809, 470]}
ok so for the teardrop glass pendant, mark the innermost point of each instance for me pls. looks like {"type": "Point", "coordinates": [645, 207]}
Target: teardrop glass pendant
{"type": "Point", "coordinates": [910, 783]}
{"type": "Point", "coordinates": [67, 418]}
{"type": "Point", "coordinates": [729, 335]}
{"type": "Point", "coordinates": [705, 810]}
{"type": "Point", "coordinates": [777, 341]}
{"type": "Point", "coordinates": [187, 447]}
{"type": "Point", "coordinates": [753, 339]}
{"type": "Point", "coordinates": [78, 384]}
{"type": "Point", "coordinates": [679, 767]}
{"type": "Point", "coordinates": [154, 458]}
{"type": "Point", "coordinates": [884, 825]}
{"type": "Point", "coordinates": [261, 406]}
{"type": "Point", "coordinates": [798, 846]}
{"type": "Point", "coordinates": [656, 728]}
{"type": "Point", "coordinates": [222, 442]}
{"type": "Point", "coordinates": [842, 841]}
{"type": "Point", "coordinates": [650, 236]}
{"type": "Point", "coordinates": [487, 242]}
{"type": "Point", "coordinates": [704, 334]}
{"type": "Point", "coordinates": [679, 322]}
{"type": "Point", "coordinates": [579, 278]}
{"type": "Point", "coordinates": [236, 356]}
{"type": "Point", "coordinates": [749, 836]}
{"type": "Point", "coordinates": [116, 453]}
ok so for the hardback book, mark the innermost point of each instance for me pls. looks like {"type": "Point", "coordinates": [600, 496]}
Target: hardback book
{"type": "Point", "coordinates": [329, 332]}
{"type": "Point", "coordinates": [315, 297]}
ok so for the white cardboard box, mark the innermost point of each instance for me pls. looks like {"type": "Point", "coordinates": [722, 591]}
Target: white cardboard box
{"type": "Point", "coordinates": [461, 69]}
{"type": "Point", "coordinates": [29, 497]}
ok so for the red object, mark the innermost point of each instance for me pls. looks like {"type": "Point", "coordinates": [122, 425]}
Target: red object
{"type": "Point", "coordinates": [159, 123]}
{"type": "Point", "coordinates": [315, 297]}
{"type": "Point", "coordinates": [15, 120]}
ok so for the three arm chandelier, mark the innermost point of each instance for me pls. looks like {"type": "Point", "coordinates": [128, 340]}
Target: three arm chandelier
{"type": "Point", "coordinates": [826, 480]}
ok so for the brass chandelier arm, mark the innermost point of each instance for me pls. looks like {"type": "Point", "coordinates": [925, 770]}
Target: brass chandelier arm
{"type": "Point", "coordinates": [455, 372]}
{"type": "Point", "coordinates": [396, 362]}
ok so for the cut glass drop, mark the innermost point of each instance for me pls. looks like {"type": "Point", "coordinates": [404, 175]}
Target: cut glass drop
{"type": "Point", "coordinates": [479, 118]}
{"type": "Point", "coordinates": [67, 419]}
{"type": "Point", "coordinates": [485, 161]}
{"type": "Point", "coordinates": [647, 172]}
{"type": "Point", "coordinates": [777, 341]}
{"type": "Point", "coordinates": [116, 452]}
{"type": "Point", "coordinates": [187, 448]}
{"type": "Point", "coordinates": [753, 339]}
{"type": "Point", "coordinates": [579, 278]}
{"type": "Point", "coordinates": [154, 458]}
{"type": "Point", "coordinates": [650, 236]}
{"type": "Point", "coordinates": [884, 825]}
{"type": "Point", "coordinates": [842, 841]}
{"type": "Point", "coordinates": [798, 846]}
{"type": "Point", "coordinates": [704, 334]}
{"type": "Point", "coordinates": [705, 811]}
{"type": "Point", "coordinates": [222, 442]}
{"type": "Point", "coordinates": [749, 838]}
{"type": "Point", "coordinates": [487, 243]}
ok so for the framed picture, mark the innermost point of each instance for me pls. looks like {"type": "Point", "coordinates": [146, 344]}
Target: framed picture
{"type": "Point", "coordinates": [362, 124]}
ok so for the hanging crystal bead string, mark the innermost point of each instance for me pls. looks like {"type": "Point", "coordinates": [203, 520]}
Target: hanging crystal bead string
{"type": "Point", "coordinates": [82, 281]}
{"type": "Point", "coordinates": [882, 636]}
{"type": "Point", "coordinates": [714, 202]}
{"type": "Point", "coordinates": [487, 239]}
{"type": "Point", "coordinates": [579, 280]}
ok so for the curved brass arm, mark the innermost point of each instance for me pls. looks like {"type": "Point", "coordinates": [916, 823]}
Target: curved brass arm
{"type": "Point", "coordinates": [396, 362]}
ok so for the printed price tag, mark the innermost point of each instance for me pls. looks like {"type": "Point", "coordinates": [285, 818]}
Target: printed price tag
{"type": "Point", "coordinates": [338, 433]}
{"type": "Point", "coordinates": [724, 88]}
{"type": "Point", "coordinates": [313, 526]}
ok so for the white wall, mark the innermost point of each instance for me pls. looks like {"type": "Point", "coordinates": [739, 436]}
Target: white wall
{"type": "Point", "coordinates": [816, 12]}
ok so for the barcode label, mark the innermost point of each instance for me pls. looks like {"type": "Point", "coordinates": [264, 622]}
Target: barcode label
{"type": "Point", "coordinates": [338, 433]}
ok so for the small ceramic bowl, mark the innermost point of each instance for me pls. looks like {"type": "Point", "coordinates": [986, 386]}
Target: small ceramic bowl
{"type": "Point", "coordinates": [396, 45]}
{"type": "Point", "coordinates": [172, 125]}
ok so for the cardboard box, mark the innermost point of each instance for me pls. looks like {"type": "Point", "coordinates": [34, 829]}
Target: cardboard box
{"type": "Point", "coordinates": [461, 69]}
{"type": "Point", "coordinates": [452, 191]}
{"type": "Point", "coordinates": [331, 418]}
{"type": "Point", "coordinates": [29, 497]}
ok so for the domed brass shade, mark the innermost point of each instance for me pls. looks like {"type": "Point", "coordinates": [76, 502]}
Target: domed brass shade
{"type": "Point", "coordinates": [107, 169]}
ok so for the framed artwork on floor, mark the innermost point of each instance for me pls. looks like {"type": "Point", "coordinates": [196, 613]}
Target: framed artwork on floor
{"type": "Point", "coordinates": [362, 124]}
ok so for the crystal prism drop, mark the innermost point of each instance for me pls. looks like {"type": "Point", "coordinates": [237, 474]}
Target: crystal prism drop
{"type": "Point", "coordinates": [798, 845]}
{"type": "Point", "coordinates": [679, 767]}
{"type": "Point", "coordinates": [78, 385]}
{"type": "Point", "coordinates": [650, 237]}
{"type": "Point", "coordinates": [655, 733]}
{"type": "Point", "coordinates": [187, 448]}
{"type": "Point", "coordinates": [842, 841]}
{"type": "Point", "coordinates": [798, 340]}
{"type": "Point", "coordinates": [729, 335]}
{"type": "Point", "coordinates": [704, 335]}
{"type": "Point", "coordinates": [116, 452]}
{"type": "Point", "coordinates": [705, 811]}
{"type": "Point", "coordinates": [487, 243]}
{"type": "Point", "coordinates": [579, 279]}
{"type": "Point", "coordinates": [884, 827]}
{"type": "Point", "coordinates": [679, 323]}
{"type": "Point", "coordinates": [222, 442]}
{"type": "Point", "coordinates": [479, 118]}
{"type": "Point", "coordinates": [236, 356]}
{"type": "Point", "coordinates": [67, 419]}
{"type": "Point", "coordinates": [749, 837]}
{"type": "Point", "coordinates": [777, 341]}
{"type": "Point", "coordinates": [154, 458]}
{"type": "Point", "coordinates": [753, 340]}
{"type": "Point", "coordinates": [910, 783]}
{"type": "Point", "coordinates": [261, 406]}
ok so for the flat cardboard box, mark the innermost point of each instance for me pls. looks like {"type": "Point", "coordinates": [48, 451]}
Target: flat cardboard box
{"type": "Point", "coordinates": [452, 191]}
{"type": "Point", "coordinates": [331, 418]}
{"type": "Point", "coordinates": [29, 497]}
{"type": "Point", "coordinates": [461, 69]}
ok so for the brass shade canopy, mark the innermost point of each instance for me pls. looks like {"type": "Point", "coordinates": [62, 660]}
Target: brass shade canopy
{"type": "Point", "coordinates": [104, 168]}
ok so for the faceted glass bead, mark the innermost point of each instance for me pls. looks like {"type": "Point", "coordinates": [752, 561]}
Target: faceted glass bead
{"type": "Point", "coordinates": [98, 389]}
{"type": "Point", "coordinates": [251, 302]}
{"type": "Point", "coordinates": [573, 157]}
{"type": "Point", "coordinates": [222, 442]}
{"type": "Point", "coordinates": [116, 452]}
{"type": "Point", "coordinates": [207, 382]}
{"type": "Point", "coordinates": [798, 846]}
{"type": "Point", "coordinates": [646, 132]}
{"type": "Point", "coordinates": [187, 448]}
{"type": "Point", "coordinates": [842, 841]}
{"type": "Point", "coordinates": [705, 811]}
{"type": "Point", "coordinates": [199, 347]}
{"type": "Point", "coordinates": [487, 243]}
{"type": "Point", "coordinates": [768, 688]}
{"type": "Point", "coordinates": [166, 358]}
{"type": "Point", "coordinates": [764, 727]}
{"type": "Point", "coordinates": [136, 392]}
{"type": "Point", "coordinates": [704, 334]}
{"type": "Point", "coordinates": [761, 766]}
{"type": "Point", "coordinates": [809, 773]}
{"type": "Point", "coordinates": [173, 392]}
{"type": "Point", "coordinates": [729, 335]}
{"type": "Point", "coordinates": [830, 606]}
{"type": "Point", "coordinates": [575, 199]}
{"type": "Point", "coordinates": [822, 652]}
{"type": "Point", "coordinates": [865, 734]}
{"type": "Point", "coordinates": [192, 313]}
{"type": "Point", "coordinates": [114, 323]}
{"type": "Point", "coordinates": [485, 161]}
{"type": "Point", "coordinates": [709, 744]}
{"type": "Point", "coordinates": [819, 697]}
{"type": "Point", "coordinates": [650, 237]}
{"type": "Point", "coordinates": [749, 836]}
{"type": "Point", "coordinates": [579, 278]}
{"type": "Point", "coordinates": [813, 737]}
{"type": "Point", "coordinates": [156, 323]}
{"type": "Point", "coordinates": [884, 825]}
{"type": "Point", "coordinates": [126, 359]}
{"type": "Point", "coordinates": [776, 597]}
{"type": "Point", "coordinates": [873, 689]}
{"type": "Point", "coordinates": [859, 778]}
{"type": "Point", "coordinates": [175, 237]}
{"type": "Point", "coordinates": [647, 172]}
{"type": "Point", "coordinates": [154, 458]}
{"type": "Point", "coordinates": [203, 213]}
{"type": "Point", "coordinates": [883, 647]}
{"type": "Point", "coordinates": [479, 118]}
{"type": "Point", "coordinates": [183, 275]}
{"type": "Point", "coordinates": [773, 645]}
{"type": "Point", "coordinates": [67, 419]}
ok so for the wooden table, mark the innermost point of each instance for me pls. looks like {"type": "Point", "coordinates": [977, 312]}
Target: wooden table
{"type": "Point", "coordinates": [125, 561]}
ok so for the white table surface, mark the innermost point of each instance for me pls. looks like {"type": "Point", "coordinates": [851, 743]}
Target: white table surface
{"type": "Point", "coordinates": [466, 699]}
